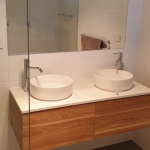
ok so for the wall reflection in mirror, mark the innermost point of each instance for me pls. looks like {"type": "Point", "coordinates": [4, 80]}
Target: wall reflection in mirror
{"type": "Point", "coordinates": [66, 25]}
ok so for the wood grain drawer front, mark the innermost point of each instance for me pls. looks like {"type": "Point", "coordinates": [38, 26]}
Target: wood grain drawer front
{"type": "Point", "coordinates": [61, 134]}
{"type": "Point", "coordinates": [17, 131]}
{"type": "Point", "coordinates": [26, 139]}
{"type": "Point", "coordinates": [61, 114]}
{"type": "Point", "coordinates": [134, 120]}
{"type": "Point", "coordinates": [16, 112]}
{"type": "Point", "coordinates": [122, 105]}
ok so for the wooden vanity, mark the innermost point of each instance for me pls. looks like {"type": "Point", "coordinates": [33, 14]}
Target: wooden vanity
{"type": "Point", "coordinates": [69, 125]}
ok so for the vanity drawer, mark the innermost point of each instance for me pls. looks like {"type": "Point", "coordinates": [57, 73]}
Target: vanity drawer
{"type": "Point", "coordinates": [121, 122]}
{"type": "Point", "coordinates": [122, 115]}
{"type": "Point", "coordinates": [122, 105]}
{"type": "Point", "coordinates": [62, 126]}
{"type": "Point", "coordinates": [59, 134]}
{"type": "Point", "coordinates": [15, 111]}
{"type": "Point", "coordinates": [60, 114]}
{"type": "Point", "coordinates": [17, 130]}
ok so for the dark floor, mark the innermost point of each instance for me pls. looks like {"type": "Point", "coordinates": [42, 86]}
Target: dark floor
{"type": "Point", "coordinates": [129, 145]}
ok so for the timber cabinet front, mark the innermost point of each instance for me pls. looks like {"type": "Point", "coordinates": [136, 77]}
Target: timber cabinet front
{"type": "Point", "coordinates": [69, 125]}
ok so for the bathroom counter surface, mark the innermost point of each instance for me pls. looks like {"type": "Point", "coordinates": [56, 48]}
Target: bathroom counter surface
{"type": "Point", "coordinates": [84, 92]}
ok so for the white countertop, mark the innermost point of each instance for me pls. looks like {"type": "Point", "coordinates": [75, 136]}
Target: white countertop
{"type": "Point", "coordinates": [84, 92]}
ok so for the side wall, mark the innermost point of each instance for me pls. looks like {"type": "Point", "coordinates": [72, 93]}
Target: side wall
{"type": "Point", "coordinates": [142, 137]}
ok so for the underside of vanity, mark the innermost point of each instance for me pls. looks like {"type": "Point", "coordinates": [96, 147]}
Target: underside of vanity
{"type": "Point", "coordinates": [69, 125]}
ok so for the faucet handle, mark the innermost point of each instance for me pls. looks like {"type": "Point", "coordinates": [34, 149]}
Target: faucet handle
{"type": "Point", "coordinates": [119, 53]}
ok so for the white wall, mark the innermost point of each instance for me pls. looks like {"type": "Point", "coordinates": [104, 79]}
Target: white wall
{"type": "Point", "coordinates": [4, 84]}
{"type": "Point", "coordinates": [7, 139]}
{"type": "Point", "coordinates": [142, 137]}
{"type": "Point", "coordinates": [78, 65]}
{"type": "Point", "coordinates": [143, 57]}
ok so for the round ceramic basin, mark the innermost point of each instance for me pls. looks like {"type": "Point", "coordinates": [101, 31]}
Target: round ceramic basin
{"type": "Point", "coordinates": [51, 87]}
{"type": "Point", "coordinates": [113, 80]}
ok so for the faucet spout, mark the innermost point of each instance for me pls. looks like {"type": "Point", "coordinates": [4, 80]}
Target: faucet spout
{"type": "Point", "coordinates": [40, 69]}
{"type": "Point", "coordinates": [34, 67]}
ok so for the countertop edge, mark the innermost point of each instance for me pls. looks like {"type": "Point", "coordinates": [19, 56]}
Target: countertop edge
{"type": "Point", "coordinates": [82, 103]}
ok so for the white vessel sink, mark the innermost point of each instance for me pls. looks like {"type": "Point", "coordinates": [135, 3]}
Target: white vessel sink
{"type": "Point", "coordinates": [113, 80]}
{"type": "Point", "coordinates": [51, 87]}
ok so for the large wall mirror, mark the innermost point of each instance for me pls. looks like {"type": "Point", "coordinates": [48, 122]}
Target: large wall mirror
{"type": "Point", "coordinates": [66, 25]}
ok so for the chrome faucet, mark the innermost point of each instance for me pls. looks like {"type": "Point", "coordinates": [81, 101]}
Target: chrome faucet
{"type": "Point", "coordinates": [34, 67]}
{"type": "Point", "coordinates": [26, 73]}
{"type": "Point", "coordinates": [118, 63]}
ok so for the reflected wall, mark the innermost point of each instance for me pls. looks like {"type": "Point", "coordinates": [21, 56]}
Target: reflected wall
{"type": "Point", "coordinates": [53, 25]}
{"type": "Point", "coordinates": [105, 20]}
{"type": "Point", "coordinates": [17, 26]}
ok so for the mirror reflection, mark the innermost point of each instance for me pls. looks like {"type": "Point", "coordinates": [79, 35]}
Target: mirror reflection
{"type": "Point", "coordinates": [103, 22]}
{"type": "Point", "coordinates": [17, 26]}
{"type": "Point", "coordinates": [66, 25]}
